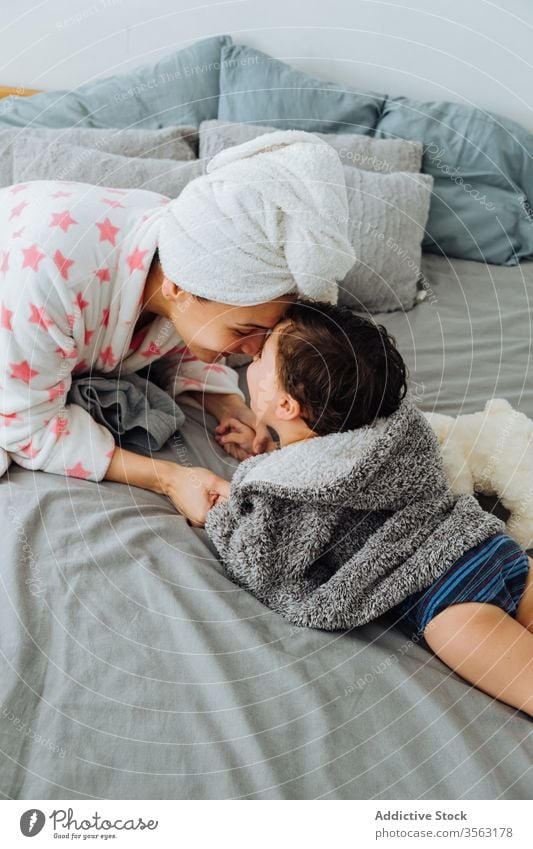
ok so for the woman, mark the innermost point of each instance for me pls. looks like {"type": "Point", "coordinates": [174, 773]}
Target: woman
{"type": "Point", "coordinates": [115, 280]}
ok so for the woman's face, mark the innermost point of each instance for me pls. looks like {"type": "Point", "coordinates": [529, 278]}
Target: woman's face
{"type": "Point", "coordinates": [211, 330]}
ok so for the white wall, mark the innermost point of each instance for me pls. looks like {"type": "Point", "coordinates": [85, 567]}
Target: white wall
{"type": "Point", "coordinates": [472, 51]}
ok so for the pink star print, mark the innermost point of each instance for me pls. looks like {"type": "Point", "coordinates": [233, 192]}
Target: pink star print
{"type": "Point", "coordinates": [188, 381]}
{"type": "Point", "coordinates": [56, 391]}
{"type": "Point", "coordinates": [110, 453]}
{"type": "Point", "coordinates": [5, 318]}
{"type": "Point", "coordinates": [81, 366]}
{"type": "Point", "coordinates": [152, 350]}
{"type": "Point", "coordinates": [60, 427]}
{"type": "Point", "coordinates": [29, 450]}
{"type": "Point", "coordinates": [81, 302]}
{"type": "Point", "coordinates": [18, 209]}
{"type": "Point", "coordinates": [9, 418]}
{"type": "Point", "coordinates": [105, 317]}
{"type": "Point", "coordinates": [88, 336]}
{"type": "Point", "coordinates": [108, 232]}
{"type": "Point", "coordinates": [138, 339]}
{"type": "Point", "coordinates": [18, 188]}
{"type": "Point", "coordinates": [113, 203]}
{"type": "Point", "coordinates": [32, 257]}
{"type": "Point", "coordinates": [38, 317]}
{"type": "Point", "coordinates": [107, 356]}
{"type": "Point", "coordinates": [135, 260]}
{"type": "Point", "coordinates": [71, 318]}
{"type": "Point", "coordinates": [78, 471]}
{"type": "Point", "coordinates": [22, 371]}
{"type": "Point", "coordinates": [18, 233]}
{"type": "Point", "coordinates": [63, 264]}
{"type": "Point", "coordinates": [66, 354]}
{"type": "Point", "coordinates": [62, 219]}
{"type": "Point", "coordinates": [61, 195]}
{"type": "Point", "coordinates": [103, 275]}
{"type": "Point", "coordinates": [215, 368]}
{"type": "Point", "coordinates": [5, 262]}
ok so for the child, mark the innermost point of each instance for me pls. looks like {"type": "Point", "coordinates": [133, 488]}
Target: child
{"type": "Point", "coordinates": [352, 515]}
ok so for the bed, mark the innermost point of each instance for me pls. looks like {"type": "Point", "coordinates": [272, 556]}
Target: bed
{"type": "Point", "coordinates": [131, 667]}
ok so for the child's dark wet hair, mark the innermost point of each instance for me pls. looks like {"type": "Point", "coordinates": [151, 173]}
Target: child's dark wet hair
{"type": "Point", "coordinates": [344, 370]}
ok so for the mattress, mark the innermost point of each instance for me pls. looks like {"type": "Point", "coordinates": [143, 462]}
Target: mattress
{"type": "Point", "coordinates": [471, 338]}
{"type": "Point", "coordinates": [132, 667]}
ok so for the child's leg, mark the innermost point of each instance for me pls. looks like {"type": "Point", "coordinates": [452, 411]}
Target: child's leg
{"type": "Point", "coordinates": [488, 648]}
{"type": "Point", "coordinates": [524, 612]}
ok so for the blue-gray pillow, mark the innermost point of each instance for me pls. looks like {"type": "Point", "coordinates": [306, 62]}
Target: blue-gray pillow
{"type": "Point", "coordinates": [181, 88]}
{"type": "Point", "coordinates": [256, 87]}
{"type": "Point", "coordinates": [482, 165]}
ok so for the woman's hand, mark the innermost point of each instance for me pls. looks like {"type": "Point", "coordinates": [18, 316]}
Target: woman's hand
{"type": "Point", "coordinates": [238, 438]}
{"type": "Point", "coordinates": [193, 491]}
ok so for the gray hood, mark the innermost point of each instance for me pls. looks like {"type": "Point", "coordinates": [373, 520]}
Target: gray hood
{"type": "Point", "coordinates": [336, 530]}
{"type": "Point", "coordinates": [356, 464]}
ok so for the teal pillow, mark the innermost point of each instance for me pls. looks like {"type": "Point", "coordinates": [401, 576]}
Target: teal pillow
{"type": "Point", "coordinates": [497, 231]}
{"type": "Point", "coordinates": [254, 87]}
{"type": "Point", "coordinates": [181, 88]}
{"type": "Point", "coordinates": [482, 165]}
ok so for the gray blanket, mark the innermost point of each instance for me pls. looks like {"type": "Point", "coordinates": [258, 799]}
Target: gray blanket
{"type": "Point", "coordinates": [132, 667]}
{"type": "Point", "coordinates": [139, 414]}
{"type": "Point", "coordinates": [334, 531]}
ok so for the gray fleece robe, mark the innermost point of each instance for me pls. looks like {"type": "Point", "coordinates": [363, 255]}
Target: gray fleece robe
{"type": "Point", "coordinates": [333, 531]}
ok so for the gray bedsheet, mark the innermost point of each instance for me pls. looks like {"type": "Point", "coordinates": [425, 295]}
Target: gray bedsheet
{"type": "Point", "coordinates": [131, 667]}
{"type": "Point", "coordinates": [471, 338]}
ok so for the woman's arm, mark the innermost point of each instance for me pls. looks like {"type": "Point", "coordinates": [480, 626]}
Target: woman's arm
{"type": "Point", "coordinates": [219, 405]}
{"type": "Point", "coordinates": [191, 489]}
{"type": "Point", "coordinates": [135, 470]}
{"type": "Point", "coordinates": [40, 430]}
{"type": "Point", "coordinates": [179, 371]}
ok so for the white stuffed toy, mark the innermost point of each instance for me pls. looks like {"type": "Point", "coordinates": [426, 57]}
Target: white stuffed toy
{"type": "Point", "coordinates": [491, 452]}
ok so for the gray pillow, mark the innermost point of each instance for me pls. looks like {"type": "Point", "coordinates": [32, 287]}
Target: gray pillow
{"type": "Point", "coordinates": [382, 155]}
{"type": "Point", "coordinates": [170, 143]}
{"type": "Point", "coordinates": [388, 214]}
{"type": "Point", "coordinates": [34, 159]}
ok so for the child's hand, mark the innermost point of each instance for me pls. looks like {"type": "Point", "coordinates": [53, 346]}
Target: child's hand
{"type": "Point", "coordinates": [238, 438]}
{"type": "Point", "coordinates": [245, 439]}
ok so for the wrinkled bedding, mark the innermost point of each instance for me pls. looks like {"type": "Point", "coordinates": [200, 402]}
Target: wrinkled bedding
{"type": "Point", "coordinates": [131, 667]}
{"type": "Point", "coordinates": [471, 338]}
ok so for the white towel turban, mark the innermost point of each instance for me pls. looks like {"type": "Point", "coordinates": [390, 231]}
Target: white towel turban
{"type": "Point", "coordinates": [269, 217]}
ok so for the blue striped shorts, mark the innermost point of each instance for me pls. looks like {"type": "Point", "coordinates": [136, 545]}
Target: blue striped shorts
{"type": "Point", "coordinates": [495, 571]}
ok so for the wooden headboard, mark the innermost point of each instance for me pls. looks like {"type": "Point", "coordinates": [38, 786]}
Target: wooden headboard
{"type": "Point", "coordinates": [20, 91]}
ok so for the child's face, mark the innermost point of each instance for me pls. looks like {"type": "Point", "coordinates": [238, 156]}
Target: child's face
{"type": "Point", "coordinates": [262, 380]}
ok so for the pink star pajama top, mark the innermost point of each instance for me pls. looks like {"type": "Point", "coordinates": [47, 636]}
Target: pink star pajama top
{"type": "Point", "coordinates": [73, 265]}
